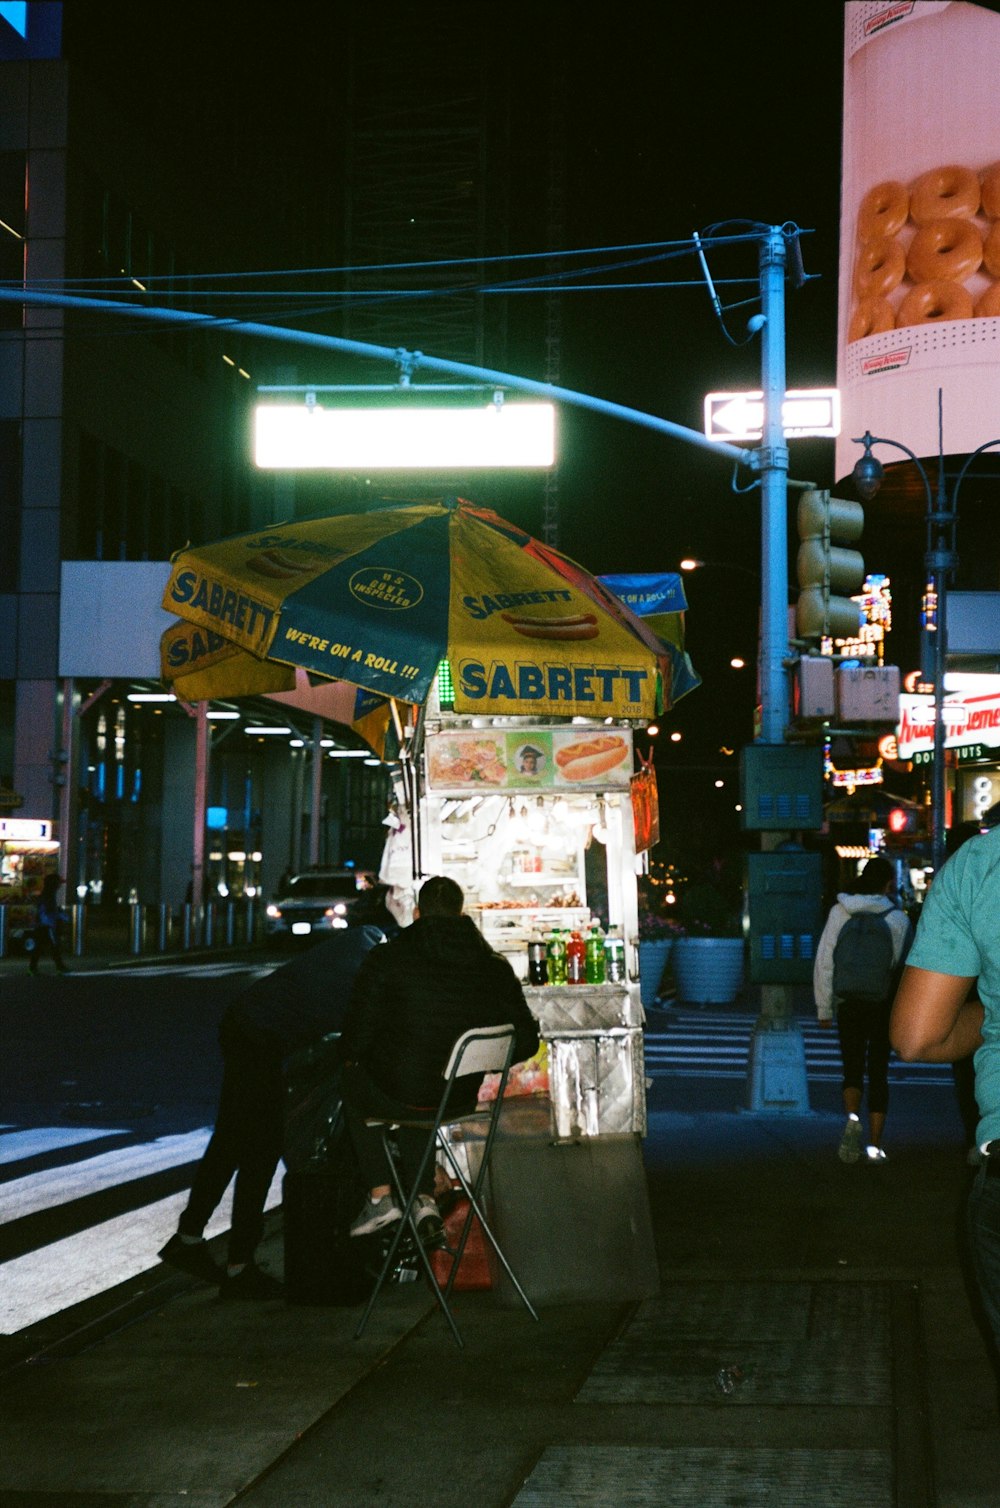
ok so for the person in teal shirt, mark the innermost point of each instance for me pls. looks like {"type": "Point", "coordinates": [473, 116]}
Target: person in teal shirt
{"type": "Point", "coordinates": [947, 1006]}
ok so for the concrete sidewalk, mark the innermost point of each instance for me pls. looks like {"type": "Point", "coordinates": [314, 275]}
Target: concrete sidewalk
{"type": "Point", "coordinates": [828, 1301]}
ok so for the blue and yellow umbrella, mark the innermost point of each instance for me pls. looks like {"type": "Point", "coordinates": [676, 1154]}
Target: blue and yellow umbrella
{"type": "Point", "coordinates": [379, 599]}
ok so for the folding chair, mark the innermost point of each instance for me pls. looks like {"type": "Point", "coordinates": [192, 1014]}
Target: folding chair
{"type": "Point", "coordinates": [486, 1049]}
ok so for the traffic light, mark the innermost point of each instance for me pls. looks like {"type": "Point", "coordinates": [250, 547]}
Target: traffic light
{"type": "Point", "coordinates": [827, 571]}
{"type": "Point", "coordinates": [902, 820]}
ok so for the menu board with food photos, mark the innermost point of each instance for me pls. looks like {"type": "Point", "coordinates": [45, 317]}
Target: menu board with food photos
{"type": "Point", "coordinates": [521, 759]}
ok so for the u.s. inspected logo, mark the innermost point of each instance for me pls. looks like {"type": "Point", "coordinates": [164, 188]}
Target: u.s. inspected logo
{"type": "Point", "coordinates": [377, 587]}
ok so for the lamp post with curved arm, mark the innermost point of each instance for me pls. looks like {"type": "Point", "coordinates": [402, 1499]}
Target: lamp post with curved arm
{"type": "Point", "coordinates": [940, 563]}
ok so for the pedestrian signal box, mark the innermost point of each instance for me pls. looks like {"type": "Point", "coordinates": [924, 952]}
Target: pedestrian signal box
{"type": "Point", "coordinates": [781, 787]}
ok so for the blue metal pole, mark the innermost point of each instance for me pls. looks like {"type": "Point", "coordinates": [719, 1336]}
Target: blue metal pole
{"type": "Point", "coordinates": [773, 465]}
{"type": "Point", "coordinates": [776, 1071]}
{"type": "Point", "coordinates": [411, 361]}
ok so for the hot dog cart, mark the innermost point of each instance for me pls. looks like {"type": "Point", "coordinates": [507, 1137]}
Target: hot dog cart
{"type": "Point", "coordinates": [535, 823]}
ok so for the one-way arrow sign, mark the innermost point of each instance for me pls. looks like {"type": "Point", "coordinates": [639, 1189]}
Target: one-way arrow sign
{"type": "Point", "coordinates": [805, 411]}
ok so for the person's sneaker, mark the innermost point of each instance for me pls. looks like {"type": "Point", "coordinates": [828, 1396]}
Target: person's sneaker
{"type": "Point", "coordinates": [427, 1218]}
{"type": "Point", "coordinates": [251, 1283]}
{"type": "Point", "coordinates": [192, 1257]}
{"type": "Point", "coordinates": [850, 1143]}
{"type": "Point", "coordinates": [375, 1216]}
{"type": "Point", "coordinates": [875, 1154]}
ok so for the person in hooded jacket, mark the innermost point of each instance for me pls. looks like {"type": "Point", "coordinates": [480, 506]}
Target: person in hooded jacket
{"type": "Point", "coordinates": [862, 1025]}
{"type": "Point", "coordinates": [411, 1001]}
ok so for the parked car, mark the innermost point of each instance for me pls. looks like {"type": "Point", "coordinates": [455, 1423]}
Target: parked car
{"type": "Point", "coordinates": [316, 903]}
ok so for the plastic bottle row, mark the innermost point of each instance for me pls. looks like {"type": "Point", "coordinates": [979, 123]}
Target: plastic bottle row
{"type": "Point", "coordinates": [569, 957]}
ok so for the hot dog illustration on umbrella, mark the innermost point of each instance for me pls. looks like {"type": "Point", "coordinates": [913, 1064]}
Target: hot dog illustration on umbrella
{"type": "Point", "coordinates": [380, 599]}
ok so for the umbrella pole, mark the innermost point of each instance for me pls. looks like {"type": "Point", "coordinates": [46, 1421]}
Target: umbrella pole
{"type": "Point", "coordinates": [417, 755]}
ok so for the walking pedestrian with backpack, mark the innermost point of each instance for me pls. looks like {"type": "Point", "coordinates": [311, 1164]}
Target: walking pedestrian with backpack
{"type": "Point", "coordinates": [859, 961]}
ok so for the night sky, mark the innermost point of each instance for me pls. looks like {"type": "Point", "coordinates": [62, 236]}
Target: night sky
{"type": "Point", "coordinates": [676, 120]}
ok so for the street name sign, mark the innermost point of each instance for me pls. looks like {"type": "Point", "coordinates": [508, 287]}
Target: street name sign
{"type": "Point", "coordinates": [805, 412]}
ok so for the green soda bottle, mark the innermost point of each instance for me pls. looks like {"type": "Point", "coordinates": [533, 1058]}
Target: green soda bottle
{"type": "Point", "coordinates": [595, 961]}
{"type": "Point", "coordinates": [555, 952]}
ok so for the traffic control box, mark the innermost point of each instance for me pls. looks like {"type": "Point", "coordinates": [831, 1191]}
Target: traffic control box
{"type": "Point", "coordinates": [781, 787]}
{"type": "Point", "coordinates": [785, 913]}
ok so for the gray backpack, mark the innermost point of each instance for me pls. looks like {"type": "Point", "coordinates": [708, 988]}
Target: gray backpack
{"type": "Point", "coordinates": [863, 967]}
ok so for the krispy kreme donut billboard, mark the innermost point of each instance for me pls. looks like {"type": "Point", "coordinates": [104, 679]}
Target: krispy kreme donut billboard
{"type": "Point", "coordinates": [919, 279]}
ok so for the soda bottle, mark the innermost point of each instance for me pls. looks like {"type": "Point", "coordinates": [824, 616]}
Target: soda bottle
{"type": "Point", "coordinates": [576, 959]}
{"type": "Point", "coordinates": [555, 953]}
{"type": "Point", "coordinates": [537, 963]}
{"type": "Point", "coordinates": [614, 957]}
{"type": "Point", "coordinates": [595, 965]}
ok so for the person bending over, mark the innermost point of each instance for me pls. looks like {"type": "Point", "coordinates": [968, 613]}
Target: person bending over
{"type": "Point", "coordinates": [287, 1010]}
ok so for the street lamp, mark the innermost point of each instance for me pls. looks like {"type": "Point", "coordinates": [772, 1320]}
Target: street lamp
{"type": "Point", "coordinates": [940, 563]}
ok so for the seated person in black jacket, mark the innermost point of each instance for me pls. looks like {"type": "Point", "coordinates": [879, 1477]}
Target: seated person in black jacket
{"type": "Point", "coordinates": [411, 1001]}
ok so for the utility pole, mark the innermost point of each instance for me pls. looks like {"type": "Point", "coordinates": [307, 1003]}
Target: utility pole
{"type": "Point", "coordinates": [776, 1072]}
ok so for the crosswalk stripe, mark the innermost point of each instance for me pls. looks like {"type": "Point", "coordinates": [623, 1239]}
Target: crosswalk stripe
{"type": "Point", "coordinates": [46, 1190]}
{"type": "Point", "coordinates": [55, 1277]}
{"type": "Point", "coordinates": [217, 970]}
{"type": "Point", "coordinates": [719, 1047]}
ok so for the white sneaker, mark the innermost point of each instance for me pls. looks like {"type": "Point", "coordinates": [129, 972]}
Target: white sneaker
{"type": "Point", "coordinates": [375, 1216]}
{"type": "Point", "coordinates": [875, 1154]}
{"type": "Point", "coordinates": [850, 1143]}
{"type": "Point", "coordinates": [427, 1218]}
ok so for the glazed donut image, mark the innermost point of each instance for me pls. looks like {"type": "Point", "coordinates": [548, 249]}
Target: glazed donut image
{"type": "Point", "coordinates": [949, 193]}
{"type": "Point", "coordinates": [879, 268]}
{"type": "Point", "coordinates": [590, 757]}
{"type": "Point", "coordinates": [929, 302]}
{"type": "Point", "coordinates": [871, 317]}
{"type": "Point", "coordinates": [991, 192]}
{"type": "Point", "coordinates": [988, 303]}
{"type": "Point", "coordinates": [991, 251]}
{"type": "Point", "coordinates": [570, 626]}
{"type": "Point", "coordinates": [948, 249]}
{"type": "Point", "coordinates": [883, 211]}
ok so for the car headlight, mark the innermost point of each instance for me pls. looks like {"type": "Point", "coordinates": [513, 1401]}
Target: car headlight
{"type": "Point", "coordinates": [338, 910]}
{"type": "Point", "coordinates": [274, 912]}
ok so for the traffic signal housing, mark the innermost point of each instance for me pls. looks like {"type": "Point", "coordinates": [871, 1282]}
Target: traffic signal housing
{"type": "Point", "coordinates": [902, 821]}
{"type": "Point", "coordinates": [828, 570]}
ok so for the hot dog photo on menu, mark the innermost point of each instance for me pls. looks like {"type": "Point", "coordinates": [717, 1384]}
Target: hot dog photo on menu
{"type": "Point", "coordinates": [592, 756]}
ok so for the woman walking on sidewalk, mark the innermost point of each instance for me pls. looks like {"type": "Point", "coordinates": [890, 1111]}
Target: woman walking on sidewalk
{"type": "Point", "coordinates": [859, 960]}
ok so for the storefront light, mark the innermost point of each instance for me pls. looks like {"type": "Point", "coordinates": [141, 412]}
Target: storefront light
{"type": "Point", "coordinates": [153, 696]}
{"type": "Point", "coordinates": [268, 730]}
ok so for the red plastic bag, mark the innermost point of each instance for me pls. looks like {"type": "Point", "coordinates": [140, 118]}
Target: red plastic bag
{"type": "Point", "coordinates": [474, 1271]}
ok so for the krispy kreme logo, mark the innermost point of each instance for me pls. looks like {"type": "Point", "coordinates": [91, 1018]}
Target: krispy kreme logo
{"type": "Point", "coordinates": [891, 361]}
{"type": "Point", "coordinates": [886, 17]}
{"type": "Point", "coordinates": [964, 718]}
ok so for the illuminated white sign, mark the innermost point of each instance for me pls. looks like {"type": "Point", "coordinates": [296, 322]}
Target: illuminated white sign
{"type": "Point", "coordinates": [805, 411]}
{"type": "Point", "coordinates": [404, 438]}
{"type": "Point", "coordinates": [24, 830]}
